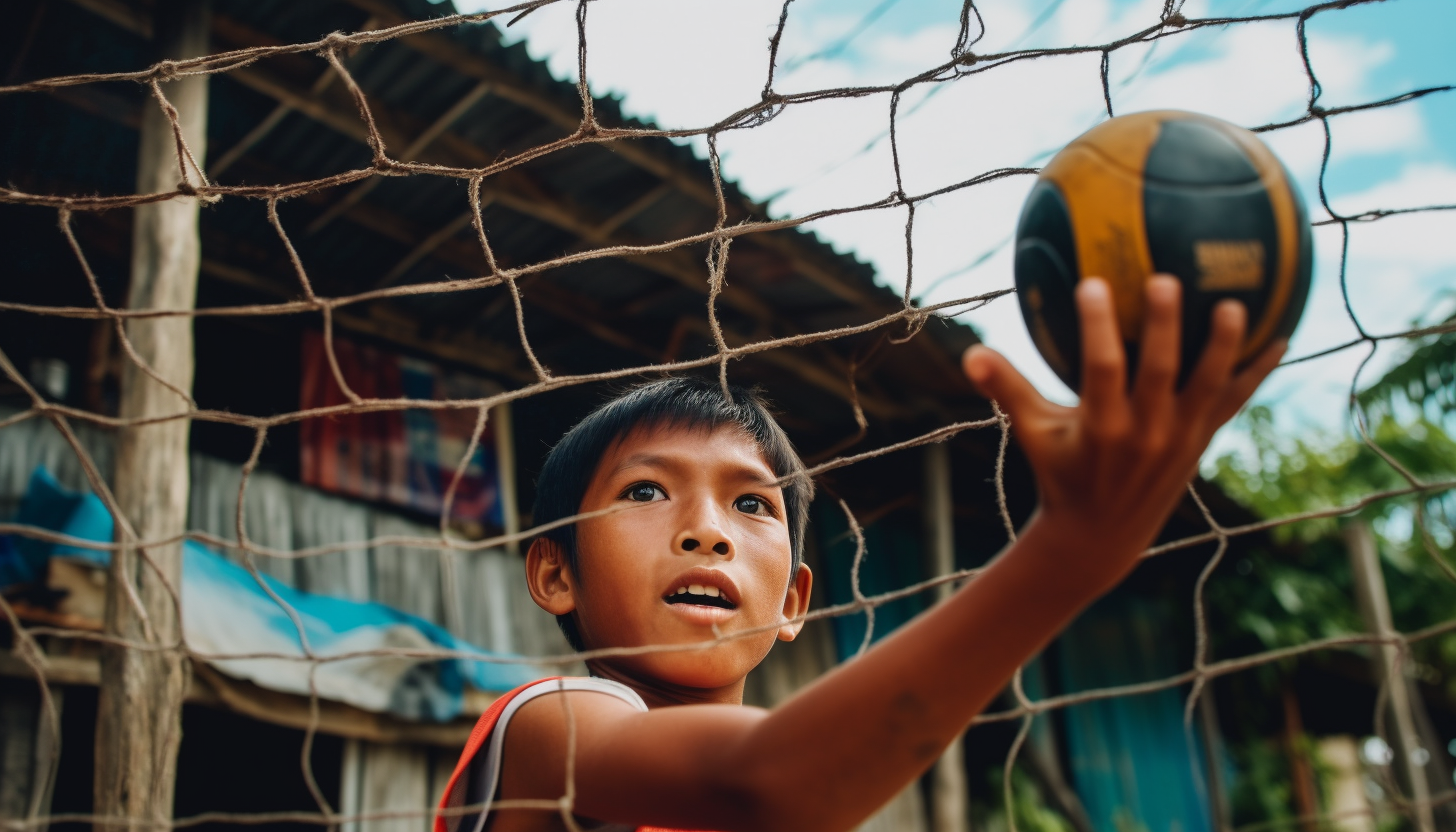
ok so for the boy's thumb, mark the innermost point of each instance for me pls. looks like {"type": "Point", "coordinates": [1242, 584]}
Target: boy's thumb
{"type": "Point", "coordinates": [995, 378]}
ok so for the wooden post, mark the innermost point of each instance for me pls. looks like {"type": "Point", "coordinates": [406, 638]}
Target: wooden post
{"type": "Point", "coordinates": [139, 712]}
{"type": "Point", "coordinates": [1375, 609]}
{"type": "Point", "coordinates": [505, 463]}
{"type": "Point", "coordinates": [28, 751]}
{"type": "Point", "coordinates": [1218, 800]}
{"type": "Point", "coordinates": [1301, 772]}
{"type": "Point", "coordinates": [949, 798]}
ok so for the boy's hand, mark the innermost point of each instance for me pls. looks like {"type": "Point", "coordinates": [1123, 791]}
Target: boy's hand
{"type": "Point", "coordinates": [1111, 469]}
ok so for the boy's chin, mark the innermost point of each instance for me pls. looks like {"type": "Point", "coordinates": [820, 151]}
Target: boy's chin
{"type": "Point", "coordinates": [702, 671]}
{"type": "Point", "coordinates": [722, 665]}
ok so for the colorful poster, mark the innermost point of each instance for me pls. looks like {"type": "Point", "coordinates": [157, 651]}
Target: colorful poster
{"type": "Point", "coordinates": [402, 457]}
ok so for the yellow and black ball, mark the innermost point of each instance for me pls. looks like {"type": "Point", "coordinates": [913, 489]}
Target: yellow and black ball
{"type": "Point", "coordinates": [1162, 191]}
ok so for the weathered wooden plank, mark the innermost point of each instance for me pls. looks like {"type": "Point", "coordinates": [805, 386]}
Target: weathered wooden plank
{"type": "Point", "coordinates": [139, 711]}
{"type": "Point", "coordinates": [950, 809]}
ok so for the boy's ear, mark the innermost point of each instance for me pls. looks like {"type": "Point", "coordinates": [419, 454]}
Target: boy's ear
{"type": "Point", "coordinates": [548, 577]}
{"type": "Point", "coordinates": [796, 603]}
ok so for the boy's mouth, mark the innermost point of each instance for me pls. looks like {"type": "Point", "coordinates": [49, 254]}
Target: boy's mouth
{"type": "Point", "coordinates": [702, 587]}
{"type": "Point", "coordinates": [705, 596]}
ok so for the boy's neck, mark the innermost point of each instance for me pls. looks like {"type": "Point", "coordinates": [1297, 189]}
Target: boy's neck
{"type": "Point", "coordinates": [658, 694]}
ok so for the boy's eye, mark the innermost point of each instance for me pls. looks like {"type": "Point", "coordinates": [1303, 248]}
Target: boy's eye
{"type": "Point", "coordinates": [749, 504]}
{"type": "Point", "coordinates": [644, 492]}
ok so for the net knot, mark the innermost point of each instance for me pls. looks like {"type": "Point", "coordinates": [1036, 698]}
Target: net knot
{"type": "Point", "coordinates": [914, 322]}
{"type": "Point", "coordinates": [186, 188]}
{"type": "Point", "coordinates": [337, 42]}
{"type": "Point", "coordinates": [1177, 20]}
{"type": "Point", "coordinates": [165, 70]}
{"type": "Point", "coordinates": [967, 59]}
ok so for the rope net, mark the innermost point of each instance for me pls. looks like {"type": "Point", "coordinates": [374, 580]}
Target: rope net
{"type": "Point", "coordinates": [388, 160]}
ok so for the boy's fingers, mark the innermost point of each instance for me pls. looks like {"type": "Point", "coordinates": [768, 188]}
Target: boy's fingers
{"type": "Point", "coordinates": [1159, 355]}
{"type": "Point", "coordinates": [1248, 380]}
{"type": "Point", "coordinates": [996, 379]}
{"type": "Point", "coordinates": [1104, 366]}
{"type": "Point", "coordinates": [1211, 377]}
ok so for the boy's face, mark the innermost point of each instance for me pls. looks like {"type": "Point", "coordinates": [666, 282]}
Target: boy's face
{"type": "Point", "coordinates": [701, 539]}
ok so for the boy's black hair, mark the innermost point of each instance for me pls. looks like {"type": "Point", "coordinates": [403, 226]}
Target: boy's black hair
{"type": "Point", "coordinates": [679, 402]}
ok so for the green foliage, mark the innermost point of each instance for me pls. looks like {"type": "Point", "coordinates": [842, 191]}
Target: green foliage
{"type": "Point", "coordinates": [1304, 591]}
{"type": "Point", "coordinates": [1426, 379]}
{"type": "Point", "coordinates": [1290, 475]}
{"type": "Point", "coordinates": [1262, 791]}
{"type": "Point", "coordinates": [1300, 588]}
{"type": "Point", "coordinates": [1032, 813]}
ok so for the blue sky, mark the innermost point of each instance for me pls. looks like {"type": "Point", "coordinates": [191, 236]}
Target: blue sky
{"type": "Point", "coordinates": [687, 63]}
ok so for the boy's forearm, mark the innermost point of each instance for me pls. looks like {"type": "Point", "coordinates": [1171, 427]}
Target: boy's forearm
{"type": "Point", "coordinates": [930, 678]}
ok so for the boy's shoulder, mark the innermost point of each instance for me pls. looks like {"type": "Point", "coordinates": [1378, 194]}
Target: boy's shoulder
{"type": "Point", "coordinates": [535, 749]}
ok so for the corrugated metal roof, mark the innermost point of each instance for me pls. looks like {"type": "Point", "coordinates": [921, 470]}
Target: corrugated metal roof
{"type": "Point", "coordinates": [791, 283]}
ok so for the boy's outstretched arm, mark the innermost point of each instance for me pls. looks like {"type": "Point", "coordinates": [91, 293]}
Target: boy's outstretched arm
{"type": "Point", "coordinates": [1110, 471]}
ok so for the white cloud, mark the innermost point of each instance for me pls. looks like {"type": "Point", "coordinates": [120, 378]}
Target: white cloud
{"type": "Point", "coordinates": [1417, 185]}
{"type": "Point", "coordinates": [1379, 131]}
{"type": "Point", "coordinates": [1401, 271]}
{"type": "Point", "coordinates": [685, 63]}
{"type": "Point", "coordinates": [688, 63]}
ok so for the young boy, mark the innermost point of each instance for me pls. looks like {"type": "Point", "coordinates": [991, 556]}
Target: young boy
{"type": "Point", "coordinates": [691, 535]}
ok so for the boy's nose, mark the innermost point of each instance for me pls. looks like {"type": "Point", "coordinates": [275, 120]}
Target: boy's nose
{"type": "Point", "coordinates": [705, 539]}
{"type": "Point", "coordinates": [702, 529]}
{"type": "Point", "coordinates": [692, 544]}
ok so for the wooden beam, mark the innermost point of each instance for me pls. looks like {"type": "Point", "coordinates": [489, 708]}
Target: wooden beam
{"type": "Point", "coordinates": [516, 190]}
{"type": "Point", "coordinates": [311, 104]}
{"type": "Point", "coordinates": [813, 372]}
{"type": "Point", "coordinates": [637, 206]}
{"type": "Point", "coordinates": [1390, 667]}
{"type": "Point", "coordinates": [422, 141]}
{"type": "Point", "coordinates": [139, 704]}
{"type": "Point", "coordinates": [450, 249]}
{"type": "Point", "coordinates": [213, 689]}
{"type": "Point", "coordinates": [584, 313]}
{"type": "Point", "coordinates": [503, 429]}
{"type": "Point", "coordinates": [98, 101]}
{"type": "Point", "coordinates": [512, 189]}
{"type": "Point", "coordinates": [445, 50]}
{"type": "Point", "coordinates": [457, 347]}
{"type": "Point", "coordinates": [443, 245]}
{"type": "Point", "coordinates": [259, 131]}
{"type": "Point", "coordinates": [950, 809]}
{"type": "Point", "coordinates": [264, 127]}
{"type": "Point", "coordinates": [460, 347]}
{"type": "Point", "coordinates": [425, 248]}
{"type": "Point", "coordinates": [334, 718]}
{"type": "Point", "coordinates": [123, 15]}
{"type": "Point", "coordinates": [472, 350]}
{"type": "Point", "coordinates": [441, 48]}
{"type": "Point", "coordinates": [32, 28]}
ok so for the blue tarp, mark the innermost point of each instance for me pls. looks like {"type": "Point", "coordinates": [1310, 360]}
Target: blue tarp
{"type": "Point", "coordinates": [1131, 760]}
{"type": "Point", "coordinates": [227, 611]}
{"type": "Point", "coordinates": [892, 560]}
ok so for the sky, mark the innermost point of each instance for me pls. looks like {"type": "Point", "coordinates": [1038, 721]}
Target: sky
{"type": "Point", "coordinates": [688, 63]}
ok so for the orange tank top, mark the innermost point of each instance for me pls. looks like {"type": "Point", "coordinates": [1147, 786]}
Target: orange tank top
{"type": "Point", "coordinates": [477, 774]}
